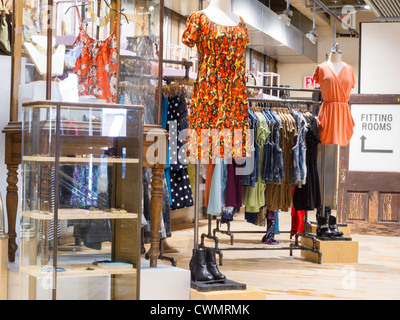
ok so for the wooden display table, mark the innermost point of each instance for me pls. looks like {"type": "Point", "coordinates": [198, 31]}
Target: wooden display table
{"type": "Point", "coordinates": [332, 251]}
{"type": "Point", "coordinates": [248, 294]}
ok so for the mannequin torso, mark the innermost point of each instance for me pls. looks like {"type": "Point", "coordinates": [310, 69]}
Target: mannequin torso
{"type": "Point", "coordinates": [219, 11]}
{"type": "Point", "coordinates": [336, 63]}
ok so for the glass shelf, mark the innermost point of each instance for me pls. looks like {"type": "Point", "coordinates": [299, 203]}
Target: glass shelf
{"type": "Point", "coordinates": [66, 214]}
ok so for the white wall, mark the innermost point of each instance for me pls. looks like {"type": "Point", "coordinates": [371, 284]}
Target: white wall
{"type": "Point", "coordinates": [383, 78]}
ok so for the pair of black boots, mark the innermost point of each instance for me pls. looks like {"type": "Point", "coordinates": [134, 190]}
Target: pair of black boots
{"type": "Point", "coordinates": [203, 267]}
{"type": "Point", "coordinates": [326, 226]}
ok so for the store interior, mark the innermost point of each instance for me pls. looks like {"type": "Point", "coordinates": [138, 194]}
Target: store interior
{"type": "Point", "coordinates": [85, 159]}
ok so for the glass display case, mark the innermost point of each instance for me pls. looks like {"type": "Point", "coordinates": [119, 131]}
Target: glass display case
{"type": "Point", "coordinates": [81, 201]}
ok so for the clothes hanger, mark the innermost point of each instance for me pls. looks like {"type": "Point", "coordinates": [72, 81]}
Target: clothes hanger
{"type": "Point", "coordinates": [94, 18]}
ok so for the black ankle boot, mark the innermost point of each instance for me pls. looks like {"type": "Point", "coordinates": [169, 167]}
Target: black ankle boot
{"type": "Point", "coordinates": [212, 265]}
{"type": "Point", "coordinates": [198, 267]}
{"type": "Point", "coordinates": [333, 227]}
{"type": "Point", "coordinates": [323, 227]}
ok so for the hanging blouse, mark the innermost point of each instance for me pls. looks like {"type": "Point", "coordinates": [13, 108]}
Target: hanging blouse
{"type": "Point", "coordinates": [335, 120]}
{"type": "Point", "coordinates": [96, 67]}
{"type": "Point", "coordinates": [219, 99]}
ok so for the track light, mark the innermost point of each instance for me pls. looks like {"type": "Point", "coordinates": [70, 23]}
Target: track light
{"type": "Point", "coordinates": [312, 36]}
{"type": "Point", "coordinates": [287, 14]}
{"type": "Point", "coordinates": [285, 18]}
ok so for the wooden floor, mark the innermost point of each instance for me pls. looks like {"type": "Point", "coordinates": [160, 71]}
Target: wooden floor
{"type": "Point", "coordinates": [285, 277]}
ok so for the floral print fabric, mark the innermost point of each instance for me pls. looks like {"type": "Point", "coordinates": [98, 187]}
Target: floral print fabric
{"type": "Point", "coordinates": [219, 99]}
{"type": "Point", "coordinates": [96, 67]}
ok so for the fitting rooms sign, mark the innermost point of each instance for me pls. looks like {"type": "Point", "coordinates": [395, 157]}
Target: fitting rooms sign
{"type": "Point", "coordinates": [375, 145]}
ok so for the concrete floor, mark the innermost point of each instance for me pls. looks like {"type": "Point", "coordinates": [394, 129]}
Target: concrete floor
{"type": "Point", "coordinates": [285, 277]}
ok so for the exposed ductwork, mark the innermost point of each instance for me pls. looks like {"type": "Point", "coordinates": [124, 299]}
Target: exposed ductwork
{"type": "Point", "coordinates": [272, 36]}
{"type": "Point", "coordinates": [385, 10]}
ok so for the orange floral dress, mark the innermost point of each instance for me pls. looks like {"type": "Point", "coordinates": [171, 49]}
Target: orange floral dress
{"type": "Point", "coordinates": [97, 65]}
{"type": "Point", "coordinates": [219, 126]}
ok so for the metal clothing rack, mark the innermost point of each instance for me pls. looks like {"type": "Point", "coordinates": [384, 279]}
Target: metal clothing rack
{"type": "Point", "coordinates": [186, 64]}
{"type": "Point", "coordinates": [284, 101]}
{"type": "Point", "coordinates": [169, 80]}
{"type": "Point", "coordinates": [292, 246]}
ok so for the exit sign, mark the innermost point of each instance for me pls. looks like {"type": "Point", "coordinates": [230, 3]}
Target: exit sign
{"type": "Point", "coordinates": [309, 83]}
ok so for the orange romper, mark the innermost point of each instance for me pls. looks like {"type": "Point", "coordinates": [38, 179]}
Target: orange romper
{"type": "Point", "coordinates": [219, 104]}
{"type": "Point", "coordinates": [335, 120]}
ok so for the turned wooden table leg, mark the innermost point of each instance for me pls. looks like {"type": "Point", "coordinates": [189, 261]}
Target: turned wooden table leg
{"type": "Point", "coordinates": [155, 215]}
{"type": "Point", "coordinates": [12, 206]}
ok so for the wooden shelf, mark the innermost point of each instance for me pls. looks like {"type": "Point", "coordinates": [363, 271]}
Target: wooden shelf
{"type": "Point", "coordinates": [80, 159]}
{"type": "Point", "coordinates": [77, 214]}
{"type": "Point", "coordinates": [74, 270]}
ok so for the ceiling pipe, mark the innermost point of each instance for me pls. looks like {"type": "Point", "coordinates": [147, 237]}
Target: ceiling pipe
{"type": "Point", "coordinates": [326, 9]}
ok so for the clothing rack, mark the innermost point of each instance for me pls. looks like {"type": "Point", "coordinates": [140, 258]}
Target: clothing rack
{"type": "Point", "coordinates": [162, 255]}
{"type": "Point", "coordinates": [284, 101]}
{"type": "Point", "coordinates": [292, 246]}
{"type": "Point", "coordinates": [186, 64]}
{"type": "Point", "coordinates": [281, 88]}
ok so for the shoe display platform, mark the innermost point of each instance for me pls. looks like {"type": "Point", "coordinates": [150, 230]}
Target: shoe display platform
{"type": "Point", "coordinates": [164, 282]}
{"type": "Point", "coordinates": [218, 286]}
{"type": "Point", "coordinates": [248, 294]}
{"type": "Point", "coordinates": [345, 229]}
{"type": "Point", "coordinates": [339, 238]}
{"type": "Point", "coordinates": [332, 251]}
{"type": "Point", "coordinates": [3, 268]}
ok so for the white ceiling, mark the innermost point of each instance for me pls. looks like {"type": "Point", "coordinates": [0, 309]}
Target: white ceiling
{"type": "Point", "coordinates": [268, 37]}
{"type": "Point", "coordinates": [183, 7]}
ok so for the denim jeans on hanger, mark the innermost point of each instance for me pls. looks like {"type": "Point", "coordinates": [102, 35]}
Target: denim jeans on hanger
{"type": "Point", "coordinates": [298, 170]}
{"type": "Point", "coordinates": [252, 179]}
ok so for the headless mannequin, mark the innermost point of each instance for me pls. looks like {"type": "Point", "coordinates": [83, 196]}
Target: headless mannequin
{"type": "Point", "coordinates": [335, 62]}
{"type": "Point", "coordinates": [219, 11]}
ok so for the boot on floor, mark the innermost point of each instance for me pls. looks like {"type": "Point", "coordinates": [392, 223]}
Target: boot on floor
{"type": "Point", "coordinates": [198, 267]}
{"type": "Point", "coordinates": [323, 227]}
{"type": "Point", "coordinates": [333, 227]}
{"type": "Point", "coordinates": [212, 265]}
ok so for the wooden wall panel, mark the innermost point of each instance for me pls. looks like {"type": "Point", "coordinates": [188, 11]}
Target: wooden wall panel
{"type": "Point", "coordinates": [389, 207]}
{"type": "Point", "coordinates": [369, 201]}
{"type": "Point", "coordinates": [357, 206]}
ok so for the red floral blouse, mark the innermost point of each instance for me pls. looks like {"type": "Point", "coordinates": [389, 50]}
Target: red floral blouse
{"type": "Point", "coordinates": [219, 106]}
{"type": "Point", "coordinates": [96, 67]}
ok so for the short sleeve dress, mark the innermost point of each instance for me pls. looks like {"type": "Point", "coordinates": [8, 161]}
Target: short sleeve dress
{"type": "Point", "coordinates": [335, 120]}
{"type": "Point", "coordinates": [219, 100]}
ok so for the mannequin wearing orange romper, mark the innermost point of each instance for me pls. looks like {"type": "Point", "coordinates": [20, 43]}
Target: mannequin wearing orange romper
{"type": "Point", "coordinates": [336, 79]}
{"type": "Point", "coordinates": [335, 122]}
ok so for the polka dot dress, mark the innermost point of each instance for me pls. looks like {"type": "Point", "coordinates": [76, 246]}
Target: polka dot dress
{"type": "Point", "coordinates": [181, 191]}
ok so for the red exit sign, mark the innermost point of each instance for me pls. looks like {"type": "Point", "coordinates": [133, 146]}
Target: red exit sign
{"type": "Point", "coordinates": [309, 83]}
